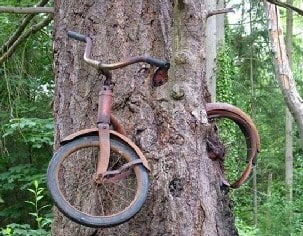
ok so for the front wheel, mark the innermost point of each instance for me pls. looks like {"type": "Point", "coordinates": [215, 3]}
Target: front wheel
{"type": "Point", "coordinates": [71, 183]}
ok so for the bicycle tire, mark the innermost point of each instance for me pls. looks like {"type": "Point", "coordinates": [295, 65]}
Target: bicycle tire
{"type": "Point", "coordinates": [248, 129]}
{"type": "Point", "coordinates": [67, 206]}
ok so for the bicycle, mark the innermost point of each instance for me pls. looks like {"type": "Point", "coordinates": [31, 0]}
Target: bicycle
{"type": "Point", "coordinates": [118, 170]}
{"type": "Point", "coordinates": [115, 180]}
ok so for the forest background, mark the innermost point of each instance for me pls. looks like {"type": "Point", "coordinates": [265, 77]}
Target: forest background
{"type": "Point", "coordinates": [245, 78]}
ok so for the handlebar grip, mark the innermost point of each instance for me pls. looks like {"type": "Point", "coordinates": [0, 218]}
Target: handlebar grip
{"type": "Point", "coordinates": [157, 62]}
{"type": "Point", "coordinates": [77, 36]}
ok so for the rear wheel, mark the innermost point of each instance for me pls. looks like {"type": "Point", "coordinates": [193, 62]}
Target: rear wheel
{"type": "Point", "coordinates": [113, 201]}
{"type": "Point", "coordinates": [240, 137]}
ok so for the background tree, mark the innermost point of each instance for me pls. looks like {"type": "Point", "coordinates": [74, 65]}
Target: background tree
{"type": "Point", "coordinates": [26, 124]}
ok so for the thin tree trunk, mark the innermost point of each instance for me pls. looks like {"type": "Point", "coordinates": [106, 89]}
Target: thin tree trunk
{"type": "Point", "coordinates": [288, 116]}
{"type": "Point", "coordinates": [168, 123]}
{"type": "Point", "coordinates": [284, 74]}
{"type": "Point", "coordinates": [253, 115]}
{"type": "Point", "coordinates": [211, 49]}
{"type": "Point", "coordinates": [220, 24]}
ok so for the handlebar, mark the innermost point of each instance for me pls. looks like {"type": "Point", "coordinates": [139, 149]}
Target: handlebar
{"type": "Point", "coordinates": [107, 67]}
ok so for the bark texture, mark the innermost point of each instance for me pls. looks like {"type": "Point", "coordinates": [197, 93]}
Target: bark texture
{"type": "Point", "coordinates": [289, 159]}
{"type": "Point", "coordinates": [168, 123]}
{"type": "Point", "coordinates": [284, 74]}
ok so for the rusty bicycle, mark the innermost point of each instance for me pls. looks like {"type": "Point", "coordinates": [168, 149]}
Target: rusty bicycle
{"type": "Point", "coordinates": [112, 185]}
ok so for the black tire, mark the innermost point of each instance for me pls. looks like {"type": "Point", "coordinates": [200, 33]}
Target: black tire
{"type": "Point", "coordinates": [81, 204]}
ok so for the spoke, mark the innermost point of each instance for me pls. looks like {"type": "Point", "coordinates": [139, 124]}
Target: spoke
{"type": "Point", "coordinates": [100, 200]}
{"type": "Point", "coordinates": [123, 185]}
{"type": "Point", "coordinates": [118, 195]}
{"type": "Point", "coordinates": [86, 183]}
{"type": "Point", "coordinates": [113, 164]}
{"type": "Point", "coordinates": [94, 162]}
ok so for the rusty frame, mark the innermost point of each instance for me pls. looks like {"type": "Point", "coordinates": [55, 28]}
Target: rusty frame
{"type": "Point", "coordinates": [248, 128]}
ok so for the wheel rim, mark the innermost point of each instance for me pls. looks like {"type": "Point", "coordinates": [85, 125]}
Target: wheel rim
{"type": "Point", "coordinates": [109, 203]}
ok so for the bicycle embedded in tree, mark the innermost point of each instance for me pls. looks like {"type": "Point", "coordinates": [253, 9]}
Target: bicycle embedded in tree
{"type": "Point", "coordinates": [116, 171]}
{"type": "Point", "coordinates": [112, 185]}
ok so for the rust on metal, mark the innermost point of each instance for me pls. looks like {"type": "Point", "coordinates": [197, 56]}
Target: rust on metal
{"type": "Point", "coordinates": [78, 134]}
{"type": "Point", "coordinates": [225, 110]}
{"type": "Point", "coordinates": [133, 146]}
{"type": "Point", "coordinates": [119, 172]}
{"type": "Point", "coordinates": [117, 125]}
{"type": "Point", "coordinates": [104, 150]}
{"type": "Point", "coordinates": [160, 77]}
{"type": "Point", "coordinates": [105, 104]}
{"type": "Point", "coordinates": [113, 134]}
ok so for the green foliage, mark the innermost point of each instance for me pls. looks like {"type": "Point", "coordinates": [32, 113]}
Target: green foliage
{"type": "Point", "coordinates": [245, 78]}
{"type": "Point", "coordinates": [34, 131]}
{"type": "Point", "coordinates": [26, 123]}
{"type": "Point", "coordinates": [23, 230]}
{"type": "Point", "coordinates": [43, 221]}
{"type": "Point", "coordinates": [246, 230]}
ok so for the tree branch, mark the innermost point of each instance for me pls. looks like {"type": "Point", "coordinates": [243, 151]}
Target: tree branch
{"type": "Point", "coordinates": [219, 11]}
{"type": "Point", "coordinates": [34, 29]}
{"type": "Point", "coordinates": [20, 29]}
{"type": "Point", "coordinates": [285, 5]}
{"type": "Point", "coordinates": [27, 10]}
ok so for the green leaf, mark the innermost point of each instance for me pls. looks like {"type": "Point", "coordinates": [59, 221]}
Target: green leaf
{"type": "Point", "coordinates": [32, 203]}
{"type": "Point", "coordinates": [39, 198]}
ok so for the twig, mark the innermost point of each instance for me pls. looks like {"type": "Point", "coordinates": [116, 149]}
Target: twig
{"type": "Point", "coordinates": [285, 5]}
{"type": "Point", "coordinates": [219, 11]}
{"type": "Point", "coordinates": [25, 35]}
{"type": "Point", "coordinates": [27, 10]}
{"type": "Point", "coordinates": [20, 29]}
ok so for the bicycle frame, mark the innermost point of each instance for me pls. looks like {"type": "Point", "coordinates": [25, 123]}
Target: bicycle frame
{"type": "Point", "coordinates": [104, 118]}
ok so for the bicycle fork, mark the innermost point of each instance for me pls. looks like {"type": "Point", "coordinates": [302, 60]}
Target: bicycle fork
{"type": "Point", "coordinates": [103, 123]}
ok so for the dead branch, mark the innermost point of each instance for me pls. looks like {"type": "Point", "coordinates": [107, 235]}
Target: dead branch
{"type": "Point", "coordinates": [287, 6]}
{"type": "Point", "coordinates": [34, 29]}
{"type": "Point", "coordinates": [20, 29]}
{"type": "Point", "coordinates": [219, 11]}
{"type": "Point", "coordinates": [27, 10]}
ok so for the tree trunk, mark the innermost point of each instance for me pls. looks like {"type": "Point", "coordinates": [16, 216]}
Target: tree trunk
{"type": "Point", "coordinates": [211, 49]}
{"type": "Point", "coordinates": [288, 117]}
{"type": "Point", "coordinates": [168, 123]}
{"type": "Point", "coordinates": [253, 115]}
{"type": "Point", "coordinates": [285, 78]}
{"type": "Point", "coordinates": [220, 19]}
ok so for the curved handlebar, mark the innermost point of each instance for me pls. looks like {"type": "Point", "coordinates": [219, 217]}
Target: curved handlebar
{"type": "Point", "coordinates": [107, 67]}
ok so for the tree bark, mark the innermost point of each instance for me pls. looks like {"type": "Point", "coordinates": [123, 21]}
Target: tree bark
{"type": "Point", "coordinates": [288, 117]}
{"type": "Point", "coordinates": [168, 123]}
{"type": "Point", "coordinates": [211, 49]}
{"type": "Point", "coordinates": [284, 74]}
{"type": "Point", "coordinates": [220, 19]}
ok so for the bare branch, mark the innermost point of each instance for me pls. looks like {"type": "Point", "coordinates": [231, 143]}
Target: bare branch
{"type": "Point", "coordinates": [287, 6]}
{"type": "Point", "coordinates": [27, 10]}
{"type": "Point", "coordinates": [24, 36]}
{"type": "Point", "coordinates": [219, 11]}
{"type": "Point", "coordinates": [20, 29]}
